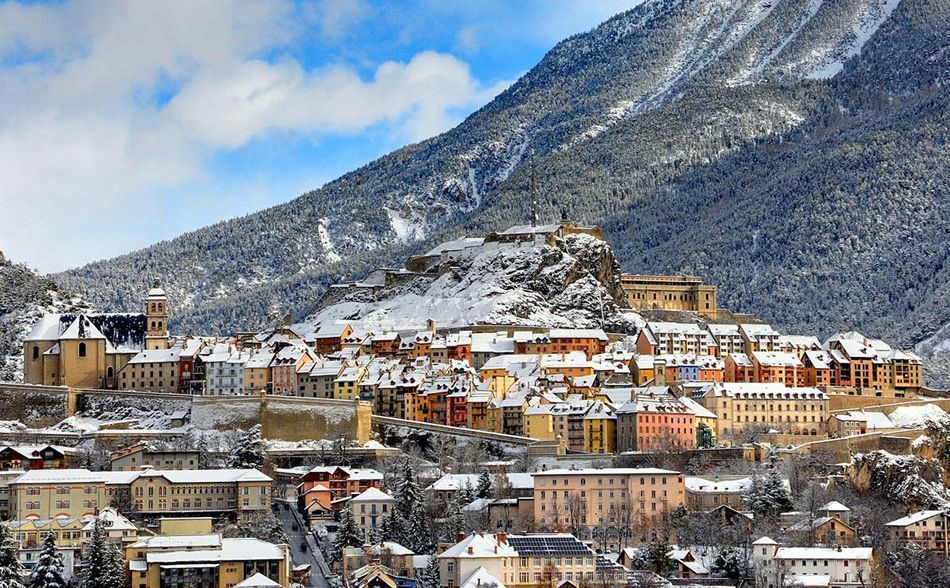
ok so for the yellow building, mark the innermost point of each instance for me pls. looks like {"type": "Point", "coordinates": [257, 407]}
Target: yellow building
{"type": "Point", "coordinates": [669, 293]}
{"type": "Point", "coordinates": [164, 492]}
{"type": "Point", "coordinates": [69, 493]}
{"type": "Point", "coordinates": [600, 429]}
{"type": "Point", "coordinates": [88, 350]}
{"type": "Point", "coordinates": [539, 422]}
{"type": "Point", "coordinates": [206, 560]}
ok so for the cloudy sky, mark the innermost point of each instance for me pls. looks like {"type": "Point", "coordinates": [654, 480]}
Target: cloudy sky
{"type": "Point", "coordinates": [125, 123]}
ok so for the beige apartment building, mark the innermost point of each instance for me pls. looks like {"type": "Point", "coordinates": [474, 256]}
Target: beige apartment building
{"type": "Point", "coordinates": [135, 457]}
{"type": "Point", "coordinates": [66, 494]}
{"type": "Point", "coordinates": [591, 498]}
{"type": "Point", "coordinates": [744, 406]}
{"type": "Point", "coordinates": [687, 293]}
{"type": "Point", "coordinates": [74, 493]}
{"type": "Point", "coordinates": [161, 492]}
{"type": "Point", "coordinates": [525, 561]}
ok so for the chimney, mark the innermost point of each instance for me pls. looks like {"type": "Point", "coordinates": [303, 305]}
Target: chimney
{"type": "Point", "coordinates": [470, 550]}
{"type": "Point", "coordinates": [501, 538]}
{"type": "Point", "coordinates": [459, 537]}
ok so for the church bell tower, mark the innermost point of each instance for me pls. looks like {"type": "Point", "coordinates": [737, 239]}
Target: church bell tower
{"type": "Point", "coordinates": [156, 314]}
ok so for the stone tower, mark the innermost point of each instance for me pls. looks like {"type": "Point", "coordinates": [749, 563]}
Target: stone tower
{"type": "Point", "coordinates": [156, 314]}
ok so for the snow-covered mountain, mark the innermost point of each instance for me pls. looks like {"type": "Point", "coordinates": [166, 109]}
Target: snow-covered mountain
{"type": "Point", "coordinates": [573, 282]}
{"type": "Point", "coordinates": [791, 151]}
{"type": "Point", "coordinates": [24, 298]}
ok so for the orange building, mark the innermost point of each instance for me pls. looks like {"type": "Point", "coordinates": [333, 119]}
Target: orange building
{"type": "Point", "coordinates": [739, 368]}
{"type": "Point", "coordinates": [778, 367]}
{"type": "Point", "coordinates": [591, 341]}
{"type": "Point", "coordinates": [329, 338]}
{"type": "Point", "coordinates": [655, 421]}
{"type": "Point", "coordinates": [818, 368]}
{"type": "Point", "coordinates": [341, 481]}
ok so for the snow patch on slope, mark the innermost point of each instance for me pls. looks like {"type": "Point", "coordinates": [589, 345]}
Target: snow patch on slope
{"type": "Point", "coordinates": [864, 28]}
{"type": "Point", "coordinates": [406, 229]}
{"type": "Point", "coordinates": [326, 242]}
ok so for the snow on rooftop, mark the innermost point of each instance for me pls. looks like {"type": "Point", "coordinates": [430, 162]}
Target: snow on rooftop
{"type": "Point", "coordinates": [916, 517]}
{"type": "Point", "coordinates": [231, 550]}
{"type": "Point", "coordinates": [372, 495]}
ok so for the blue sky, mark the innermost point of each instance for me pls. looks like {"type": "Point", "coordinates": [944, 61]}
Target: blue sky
{"type": "Point", "coordinates": [126, 123]}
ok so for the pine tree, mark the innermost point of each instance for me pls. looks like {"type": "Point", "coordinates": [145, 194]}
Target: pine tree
{"type": "Point", "coordinates": [766, 494]}
{"type": "Point", "coordinates": [348, 535]}
{"type": "Point", "coordinates": [48, 572]}
{"type": "Point", "coordinates": [11, 570]}
{"type": "Point", "coordinates": [454, 521]}
{"type": "Point", "coordinates": [483, 489]}
{"type": "Point", "coordinates": [95, 560]}
{"type": "Point", "coordinates": [115, 567]}
{"type": "Point", "coordinates": [659, 554]}
{"type": "Point", "coordinates": [248, 452]}
{"type": "Point", "coordinates": [410, 504]}
{"type": "Point", "coordinates": [392, 528]}
{"type": "Point", "coordinates": [429, 576]}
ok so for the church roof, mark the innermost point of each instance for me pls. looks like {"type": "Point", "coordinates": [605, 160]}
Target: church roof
{"type": "Point", "coordinates": [82, 328]}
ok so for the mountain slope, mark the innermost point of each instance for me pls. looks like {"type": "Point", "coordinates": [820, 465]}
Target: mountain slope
{"type": "Point", "coordinates": [787, 149]}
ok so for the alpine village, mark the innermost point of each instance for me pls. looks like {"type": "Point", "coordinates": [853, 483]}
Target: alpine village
{"type": "Point", "coordinates": [505, 402]}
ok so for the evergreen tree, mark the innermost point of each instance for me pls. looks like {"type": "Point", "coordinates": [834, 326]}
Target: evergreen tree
{"type": "Point", "coordinates": [115, 567]}
{"type": "Point", "coordinates": [248, 452]}
{"type": "Point", "coordinates": [429, 576]}
{"type": "Point", "coordinates": [483, 489]}
{"type": "Point", "coordinates": [767, 495]}
{"type": "Point", "coordinates": [413, 521]}
{"type": "Point", "coordinates": [48, 572]}
{"type": "Point", "coordinates": [659, 555]}
{"type": "Point", "coordinates": [391, 528]}
{"type": "Point", "coordinates": [348, 535]}
{"type": "Point", "coordinates": [11, 570]}
{"type": "Point", "coordinates": [454, 521]}
{"type": "Point", "coordinates": [96, 558]}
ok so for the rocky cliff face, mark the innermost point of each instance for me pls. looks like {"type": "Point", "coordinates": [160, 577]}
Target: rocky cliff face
{"type": "Point", "coordinates": [574, 282]}
{"type": "Point", "coordinates": [914, 482]}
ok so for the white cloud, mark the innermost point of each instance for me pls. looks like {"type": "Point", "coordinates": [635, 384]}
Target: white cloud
{"type": "Point", "coordinates": [85, 142]}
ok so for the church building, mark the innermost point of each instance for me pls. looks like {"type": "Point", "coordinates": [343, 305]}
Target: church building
{"type": "Point", "coordinates": [87, 350]}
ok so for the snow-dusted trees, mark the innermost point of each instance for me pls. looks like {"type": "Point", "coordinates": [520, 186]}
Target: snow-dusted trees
{"type": "Point", "coordinates": [483, 488]}
{"type": "Point", "coordinates": [767, 494]}
{"type": "Point", "coordinates": [102, 561]}
{"type": "Point", "coordinates": [48, 572]}
{"type": "Point", "coordinates": [407, 522]}
{"type": "Point", "coordinates": [348, 535]}
{"type": "Point", "coordinates": [11, 570]}
{"type": "Point", "coordinates": [429, 576]}
{"type": "Point", "coordinates": [248, 452]}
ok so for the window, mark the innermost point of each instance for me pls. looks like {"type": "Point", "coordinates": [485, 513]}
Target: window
{"type": "Point", "coordinates": [36, 352]}
{"type": "Point", "coordinates": [82, 349]}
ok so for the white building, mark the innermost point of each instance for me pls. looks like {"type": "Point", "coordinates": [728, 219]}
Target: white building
{"type": "Point", "coordinates": [224, 371]}
{"type": "Point", "coordinates": [832, 567]}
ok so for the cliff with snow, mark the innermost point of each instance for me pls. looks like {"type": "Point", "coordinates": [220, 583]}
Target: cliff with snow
{"type": "Point", "coordinates": [572, 282]}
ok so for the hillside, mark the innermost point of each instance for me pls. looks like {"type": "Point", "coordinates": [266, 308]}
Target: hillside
{"type": "Point", "coordinates": [574, 282]}
{"type": "Point", "coordinates": [792, 151]}
{"type": "Point", "coordinates": [24, 298]}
